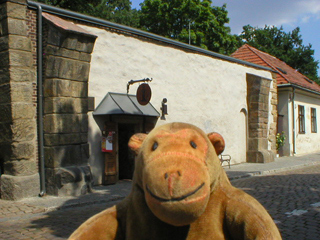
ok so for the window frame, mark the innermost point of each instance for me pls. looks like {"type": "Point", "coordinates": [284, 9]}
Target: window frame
{"type": "Point", "coordinates": [302, 122]}
{"type": "Point", "coordinates": [313, 113]}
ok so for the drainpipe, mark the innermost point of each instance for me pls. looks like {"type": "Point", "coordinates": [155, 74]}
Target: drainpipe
{"type": "Point", "coordinates": [293, 122]}
{"type": "Point", "coordinates": [40, 99]}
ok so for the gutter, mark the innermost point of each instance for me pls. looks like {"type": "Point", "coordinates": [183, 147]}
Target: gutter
{"type": "Point", "coordinates": [40, 98]}
{"type": "Point", "coordinates": [88, 19]}
{"type": "Point", "coordinates": [298, 87]}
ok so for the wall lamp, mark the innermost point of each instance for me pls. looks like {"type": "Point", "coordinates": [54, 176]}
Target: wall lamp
{"type": "Point", "coordinates": [164, 109]}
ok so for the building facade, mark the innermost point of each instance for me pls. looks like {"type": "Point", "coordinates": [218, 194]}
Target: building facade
{"type": "Point", "coordinates": [69, 109]}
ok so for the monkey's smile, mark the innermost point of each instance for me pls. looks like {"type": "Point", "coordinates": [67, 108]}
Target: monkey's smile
{"type": "Point", "coordinates": [174, 199]}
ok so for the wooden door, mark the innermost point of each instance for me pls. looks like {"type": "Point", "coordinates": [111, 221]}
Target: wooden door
{"type": "Point", "coordinates": [110, 157]}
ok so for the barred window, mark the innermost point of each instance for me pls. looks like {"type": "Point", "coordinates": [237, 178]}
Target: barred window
{"type": "Point", "coordinates": [313, 120]}
{"type": "Point", "coordinates": [301, 119]}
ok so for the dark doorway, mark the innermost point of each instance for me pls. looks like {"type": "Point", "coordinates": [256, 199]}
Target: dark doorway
{"type": "Point", "coordinates": [126, 156]}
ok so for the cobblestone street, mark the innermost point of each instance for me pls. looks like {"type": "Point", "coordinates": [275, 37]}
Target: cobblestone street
{"type": "Point", "coordinates": [292, 198]}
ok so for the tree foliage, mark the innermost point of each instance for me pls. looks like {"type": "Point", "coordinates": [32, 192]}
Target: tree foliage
{"type": "Point", "coordinates": [196, 21]}
{"type": "Point", "coordinates": [118, 11]}
{"type": "Point", "coordinates": [288, 47]}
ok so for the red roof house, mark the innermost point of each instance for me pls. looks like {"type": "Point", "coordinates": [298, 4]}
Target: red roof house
{"type": "Point", "coordinates": [298, 99]}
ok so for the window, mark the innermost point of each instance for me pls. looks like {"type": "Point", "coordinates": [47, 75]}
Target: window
{"type": "Point", "coordinates": [301, 119]}
{"type": "Point", "coordinates": [313, 120]}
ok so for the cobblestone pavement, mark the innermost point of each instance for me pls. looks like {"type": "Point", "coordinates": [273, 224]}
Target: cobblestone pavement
{"type": "Point", "coordinates": [292, 199]}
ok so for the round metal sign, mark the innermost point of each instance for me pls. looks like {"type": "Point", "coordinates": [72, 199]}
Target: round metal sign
{"type": "Point", "coordinates": [144, 94]}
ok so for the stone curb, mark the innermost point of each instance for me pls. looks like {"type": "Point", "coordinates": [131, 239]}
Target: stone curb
{"type": "Point", "coordinates": [272, 171]}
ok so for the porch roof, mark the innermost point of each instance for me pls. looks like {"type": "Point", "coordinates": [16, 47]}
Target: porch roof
{"type": "Point", "coordinates": [121, 103]}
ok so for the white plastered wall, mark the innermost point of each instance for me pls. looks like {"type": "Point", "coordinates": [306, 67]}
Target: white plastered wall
{"type": "Point", "coordinates": [205, 91]}
{"type": "Point", "coordinates": [307, 142]}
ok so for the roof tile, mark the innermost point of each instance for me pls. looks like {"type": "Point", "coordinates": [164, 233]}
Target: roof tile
{"type": "Point", "coordinates": [285, 73]}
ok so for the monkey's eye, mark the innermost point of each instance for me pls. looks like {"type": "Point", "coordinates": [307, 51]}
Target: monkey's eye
{"type": "Point", "coordinates": [154, 146]}
{"type": "Point", "coordinates": [193, 144]}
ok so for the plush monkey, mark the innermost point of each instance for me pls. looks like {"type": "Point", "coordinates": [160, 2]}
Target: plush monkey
{"type": "Point", "coordinates": [180, 191]}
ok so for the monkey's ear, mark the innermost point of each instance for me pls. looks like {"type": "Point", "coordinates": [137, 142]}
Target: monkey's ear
{"type": "Point", "coordinates": [136, 141]}
{"type": "Point", "coordinates": [217, 141]}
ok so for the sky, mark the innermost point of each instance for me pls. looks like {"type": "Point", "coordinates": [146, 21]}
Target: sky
{"type": "Point", "coordinates": [287, 13]}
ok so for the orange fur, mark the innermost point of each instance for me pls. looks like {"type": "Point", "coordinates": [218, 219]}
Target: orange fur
{"type": "Point", "coordinates": [180, 191]}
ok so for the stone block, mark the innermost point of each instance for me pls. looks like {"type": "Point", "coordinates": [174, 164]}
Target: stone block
{"type": "Point", "coordinates": [19, 187]}
{"type": "Point", "coordinates": [264, 90]}
{"type": "Point", "coordinates": [257, 143]}
{"type": "Point", "coordinates": [4, 43]}
{"type": "Point", "coordinates": [85, 43]}
{"type": "Point", "coordinates": [70, 42]}
{"type": "Point", "coordinates": [85, 154]}
{"type": "Point", "coordinates": [69, 181]}
{"type": "Point", "coordinates": [86, 57]}
{"type": "Point", "coordinates": [266, 83]}
{"type": "Point", "coordinates": [3, 27]}
{"type": "Point", "coordinates": [21, 92]}
{"type": "Point", "coordinates": [55, 36]}
{"type": "Point", "coordinates": [67, 69]}
{"type": "Point", "coordinates": [19, 43]}
{"type": "Point", "coordinates": [84, 137]}
{"type": "Point", "coordinates": [18, 151]}
{"type": "Point", "coordinates": [262, 156]}
{"type": "Point", "coordinates": [4, 58]}
{"type": "Point", "coordinates": [25, 74]}
{"type": "Point", "coordinates": [62, 139]}
{"type": "Point", "coordinates": [83, 118]}
{"type": "Point", "coordinates": [258, 133]}
{"type": "Point", "coordinates": [6, 114]}
{"type": "Point", "coordinates": [17, 26]}
{"type": "Point", "coordinates": [63, 52]}
{"type": "Point", "coordinates": [259, 98]}
{"type": "Point", "coordinates": [5, 93]}
{"type": "Point", "coordinates": [3, 11]}
{"type": "Point", "coordinates": [23, 129]}
{"type": "Point", "coordinates": [62, 123]}
{"type": "Point", "coordinates": [65, 105]}
{"type": "Point", "coordinates": [4, 76]}
{"type": "Point", "coordinates": [61, 156]}
{"type": "Point", "coordinates": [20, 58]}
{"type": "Point", "coordinates": [23, 111]}
{"type": "Point", "coordinates": [21, 167]}
{"type": "Point", "coordinates": [15, 10]}
{"type": "Point", "coordinates": [65, 88]}
{"type": "Point", "coordinates": [5, 133]}
{"type": "Point", "coordinates": [257, 125]}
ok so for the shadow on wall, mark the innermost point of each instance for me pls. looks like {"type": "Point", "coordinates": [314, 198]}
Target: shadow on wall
{"type": "Point", "coordinates": [66, 139]}
{"type": "Point", "coordinates": [279, 194]}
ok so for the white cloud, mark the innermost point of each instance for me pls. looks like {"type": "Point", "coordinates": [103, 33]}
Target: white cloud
{"type": "Point", "coordinates": [273, 12]}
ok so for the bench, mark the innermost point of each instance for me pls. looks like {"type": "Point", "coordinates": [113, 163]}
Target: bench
{"type": "Point", "coordinates": [225, 158]}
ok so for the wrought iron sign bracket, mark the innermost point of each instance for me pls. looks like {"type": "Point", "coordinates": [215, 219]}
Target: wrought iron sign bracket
{"type": "Point", "coordinates": [136, 81]}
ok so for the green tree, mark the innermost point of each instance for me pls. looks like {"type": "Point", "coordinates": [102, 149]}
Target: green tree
{"type": "Point", "coordinates": [288, 47]}
{"type": "Point", "coordinates": [118, 11]}
{"type": "Point", "coordinates": [194, 21]}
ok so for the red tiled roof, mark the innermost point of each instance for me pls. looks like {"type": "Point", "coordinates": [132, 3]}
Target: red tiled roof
{"type": "Point", "coordinates": [285, 73]}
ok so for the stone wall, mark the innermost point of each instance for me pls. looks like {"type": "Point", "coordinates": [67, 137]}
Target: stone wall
{"type": "Point", "coordinates": [273, 129]}
{"type": "Point", "coordinates": [67, 61]}
{"type": "Point", "coordinates": [18, 128]}
{"type": "Point", "coordinates": [258, 94]}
